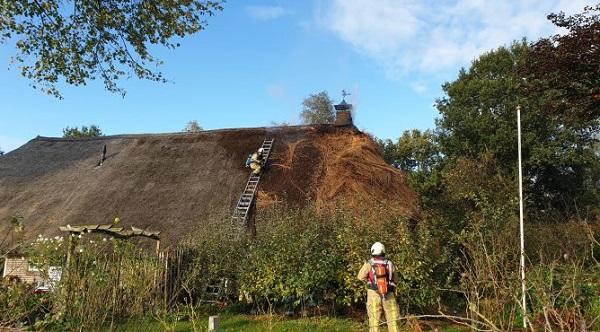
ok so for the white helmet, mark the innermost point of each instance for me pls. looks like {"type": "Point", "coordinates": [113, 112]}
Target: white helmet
{"type": "Point", "coordinates": [377, 249]}
{"type": "Point", "coordinates": [261, 150]}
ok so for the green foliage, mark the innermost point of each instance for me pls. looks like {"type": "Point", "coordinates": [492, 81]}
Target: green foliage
{"type": "Point", "coordinates": [284, 266]}
{"type": "Point", "coordinates": [418, 151]}
{"type": "Point", "coordinates": [75, 132]}
{"type": "Point", "coordinates": [554, 82]}
{"type": "Point", "coordinates": [237, 322]}
{"type": "Point", "coordinates": [79, 41]}
{"type": "Point", "coordinates": [387, 149]}
{"type": "Point", "coordinates": [17, 223]}
{"type": "Point", "coordinates": [317, 108]}
{"type": "Point", "coordinates": [566, 68]}
{"type": "Point", "coordinates": [418, 154]}
{"type": "Point", "coordinates": [415, 151]}
{"type": "Point", "coordinates": [192, 127]}
{"type": "Point", "coordinates": [562, 274]}
{"type": "Point", "coordinates": [13, 236]}
{"type": "Point", "coordinates": [478, 118]}
{"type": "Point", "coordinates": [45, 252]}
{"type": "Point", "coordinates": [215, 255]}
{"type": "Point", "coordinates": [302, 259]}
{"type": "Point", "coordinates": [107, 279]}
{"type": "Point", "coordinates": [565, 294]}
{"type": "Point", "coordinates": [478, 112]}
{"type": "Point", "coordinates": [593, 308]}
{"type": "Point", "coordinates": [20, 306]}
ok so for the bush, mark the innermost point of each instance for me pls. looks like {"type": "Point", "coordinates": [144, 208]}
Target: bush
{"type": "Point", "coordinates": [20, 306]}
{"type": "Point", "coordinates": [302, 260]}
{"type": "Point", "coordinates": [562, 288]}
{"type": "Point", "coordinates": [107, 280]}
{"type": "Point", "coordinates": [564, 295]}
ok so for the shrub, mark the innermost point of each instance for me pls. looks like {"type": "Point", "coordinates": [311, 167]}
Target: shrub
{"type": "Point", "coordinates": [562, 288]}
{"type": "Point", "coordinates": [106, 280]}
{"type": "Point", "coordinates": [20, 306]}
{"type": "Point", "coordinates": [300, 259]}
{"type": "Point", "coordinates": [297, 259]}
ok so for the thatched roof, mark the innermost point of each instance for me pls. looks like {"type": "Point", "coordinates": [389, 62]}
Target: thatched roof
{"type": "Point", "coordinates": [171, 182]}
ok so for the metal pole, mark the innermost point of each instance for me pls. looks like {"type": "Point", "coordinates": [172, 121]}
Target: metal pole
{"type": "Point", "coordinates": [523, 289]}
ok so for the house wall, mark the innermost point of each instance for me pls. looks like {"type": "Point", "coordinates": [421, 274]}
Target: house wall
{"type": "Point", "coordinates": [19, 267]}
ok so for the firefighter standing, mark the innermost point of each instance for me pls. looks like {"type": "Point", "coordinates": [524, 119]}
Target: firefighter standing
{"type": "Point", "coordinates": [381, 277]}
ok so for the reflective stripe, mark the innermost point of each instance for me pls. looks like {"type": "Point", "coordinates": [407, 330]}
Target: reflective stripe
{"type": "Point", "coordinates": [371, 284]}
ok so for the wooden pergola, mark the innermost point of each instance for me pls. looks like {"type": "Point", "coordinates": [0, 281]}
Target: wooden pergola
{"type": "Point", "coordinates": [107, 229]}
{"type": "Point", "coordinates": [111, 230]}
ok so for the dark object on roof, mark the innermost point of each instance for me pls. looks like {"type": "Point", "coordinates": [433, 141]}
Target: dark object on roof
{"type": "Point", "coordinates": [343, 115]}
{"type": "Point", "coordinates": [102, 156]}
{"type": "Point", "coordinates": [343, 106]}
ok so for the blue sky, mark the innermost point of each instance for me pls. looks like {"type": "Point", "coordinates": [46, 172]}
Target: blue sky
{"type": "Point", "coordinates": [257, 60]}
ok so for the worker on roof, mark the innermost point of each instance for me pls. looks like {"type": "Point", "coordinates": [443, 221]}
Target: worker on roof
{"type": "Point", "coordinates": [381, 277]}
{"type": "Point", "coordinates": [257, 161]}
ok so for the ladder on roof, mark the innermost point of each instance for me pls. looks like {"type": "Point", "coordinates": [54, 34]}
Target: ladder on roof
{"type": "Point", "coordinates": [240, 214]}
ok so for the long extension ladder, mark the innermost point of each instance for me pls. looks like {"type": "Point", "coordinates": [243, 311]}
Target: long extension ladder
{"type": "Point", "coordinates": [240, 214]}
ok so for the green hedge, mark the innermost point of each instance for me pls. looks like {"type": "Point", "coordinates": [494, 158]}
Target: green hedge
{"type": "Point", "coordinates": [299, 259]}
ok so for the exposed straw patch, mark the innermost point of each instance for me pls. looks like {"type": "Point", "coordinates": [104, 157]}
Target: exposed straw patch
{"type": "Point", "coordinates": [343, 168]}
{"type": "Point", "coordinates": [266, 200]}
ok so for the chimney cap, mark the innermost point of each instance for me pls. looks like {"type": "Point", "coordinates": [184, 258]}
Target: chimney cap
{"type": "Point", "coordinates": [343, 106]}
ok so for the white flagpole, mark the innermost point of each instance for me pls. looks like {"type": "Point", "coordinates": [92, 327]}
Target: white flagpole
{"type": "Point", "coordinates": [523, 289]}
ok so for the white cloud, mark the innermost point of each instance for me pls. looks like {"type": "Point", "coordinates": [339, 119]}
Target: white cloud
{"type": "Point", "coordinates": [406, 36]}
{"type": "Point", "coordinates": [382, 20]}
{"type": "Point", "coordinates": [265, 13]}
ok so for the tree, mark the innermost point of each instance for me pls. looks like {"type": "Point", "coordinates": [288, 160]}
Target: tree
{"type": "Point", "coordinates": [563, 74]}
{"type": "Point", "coordinates": [566, 68]}
{"type": "Point", "coordinates": [477, 113]}
{"type": "Point", "coordinates": [75, 132]}
{"type": "Point", "coordinates": [387, 149]}
{"type": "Point", "coordinates": [79, 41]}
{"type": "Point", "coordinates": [1, 152]}
{"type": "Point", "coordinates": [417, 151]}
{"type": "Point", "coordinates": [317, 108]}
{"type": "Point", "coordinates": [192, 127]}
{"type": "Point", "coordinates": [478, 122]}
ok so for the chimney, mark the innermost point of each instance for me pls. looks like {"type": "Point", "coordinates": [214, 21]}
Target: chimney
{"type": "Point", "coordinates": [343, 115]}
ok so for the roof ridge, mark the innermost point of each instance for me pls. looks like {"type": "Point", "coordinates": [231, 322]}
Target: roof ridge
{"type": "Point", "coordinates": [134, 136]}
